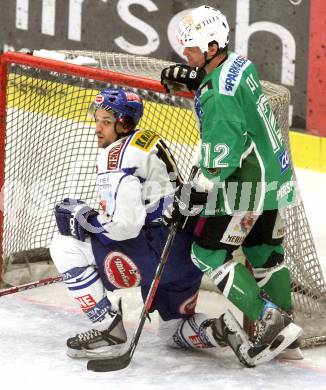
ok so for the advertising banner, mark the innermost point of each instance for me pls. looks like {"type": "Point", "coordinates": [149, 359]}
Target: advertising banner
{"type": "Point", "coordinates": [274, 34]}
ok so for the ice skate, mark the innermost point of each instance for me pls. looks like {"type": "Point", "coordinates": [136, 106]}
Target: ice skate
{"type": "Point", "coordinates": [276, 332]}
{"type": "Point", "coordinates": [96, 343]}
{"type": "Point", "coordinates": [227, 331]}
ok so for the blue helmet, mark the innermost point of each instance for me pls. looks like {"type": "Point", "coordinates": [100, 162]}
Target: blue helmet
{"type": "Point", "coordinates": [126, 105]}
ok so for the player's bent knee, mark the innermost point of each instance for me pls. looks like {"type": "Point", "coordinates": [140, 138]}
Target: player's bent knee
{"type": "Point", "coordinates": [67, 252]}
{"type": "Point", "coordinates": [208, 260]}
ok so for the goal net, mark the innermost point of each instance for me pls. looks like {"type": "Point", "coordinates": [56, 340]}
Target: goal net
{"type": "Point", "coordinates": [49, 152]}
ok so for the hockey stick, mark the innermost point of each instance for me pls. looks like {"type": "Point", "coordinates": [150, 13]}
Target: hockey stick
{"type": "Point", "coordinates": [28, 286]}
{"type": "Point", "coordinates": [121, 361]}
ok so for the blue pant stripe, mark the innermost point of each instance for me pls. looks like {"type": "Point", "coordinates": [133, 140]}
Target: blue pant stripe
{"type": "Point", "coordinates": [81, 286]}
{"type": "Point", "coordinates": [78, 280]}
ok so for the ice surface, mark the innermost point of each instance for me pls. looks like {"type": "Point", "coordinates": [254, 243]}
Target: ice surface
{"type": "Point", "coordinates": [36, 323]}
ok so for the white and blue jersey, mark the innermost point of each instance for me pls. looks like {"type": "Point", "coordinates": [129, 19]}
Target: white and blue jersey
{"type": "Point", "coordinates": [134, 177]}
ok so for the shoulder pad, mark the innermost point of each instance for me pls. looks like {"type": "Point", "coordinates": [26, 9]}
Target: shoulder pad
{"type": "Point", "coordinates": [144, 140]}
{"type": "Point", "coordinates": [231, 74]}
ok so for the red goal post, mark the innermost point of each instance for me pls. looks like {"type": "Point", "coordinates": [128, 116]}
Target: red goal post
{"type": "Point", "coordinates": [49, 151]}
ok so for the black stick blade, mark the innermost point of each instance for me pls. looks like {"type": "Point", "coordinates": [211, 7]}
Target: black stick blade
{"type": "Point", "coordinates": [110, 364]}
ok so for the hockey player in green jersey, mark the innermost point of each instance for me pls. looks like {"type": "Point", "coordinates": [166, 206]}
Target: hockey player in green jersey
{"type": "Point", "coordinates": [245, 179]}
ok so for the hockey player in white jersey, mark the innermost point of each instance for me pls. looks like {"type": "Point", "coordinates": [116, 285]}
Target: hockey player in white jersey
{"type": "Point", "coordinates": [120, 247]}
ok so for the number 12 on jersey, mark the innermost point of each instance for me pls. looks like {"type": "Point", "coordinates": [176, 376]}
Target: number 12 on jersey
{"type": "Point", "coordinates": [222, 151]}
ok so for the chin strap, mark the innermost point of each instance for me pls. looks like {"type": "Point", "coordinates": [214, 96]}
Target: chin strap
{"type": "Point", "coordinates": [207, 61]}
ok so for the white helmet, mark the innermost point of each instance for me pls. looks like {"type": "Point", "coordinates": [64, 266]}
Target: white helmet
{"type": "Point", "coordinates": [202, 26]}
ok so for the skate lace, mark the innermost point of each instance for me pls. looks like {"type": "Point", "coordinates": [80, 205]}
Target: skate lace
{"type": "Point", "coordinates": [261, 332]}
{"type": "Point", "coordinates": [89, 335]}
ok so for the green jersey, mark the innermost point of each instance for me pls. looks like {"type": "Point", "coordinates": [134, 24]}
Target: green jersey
{"type": "Point", "coordinates": [242, 147]}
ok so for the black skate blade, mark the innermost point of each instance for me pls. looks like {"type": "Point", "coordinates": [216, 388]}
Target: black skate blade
{"type": "Point", "coordinates": [110, 364]}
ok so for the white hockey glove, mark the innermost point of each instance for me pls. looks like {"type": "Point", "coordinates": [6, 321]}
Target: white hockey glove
{"type": "Point", "coordinates": [176, 76]}
{"type": "Point", "coordinates": [73, 217]}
